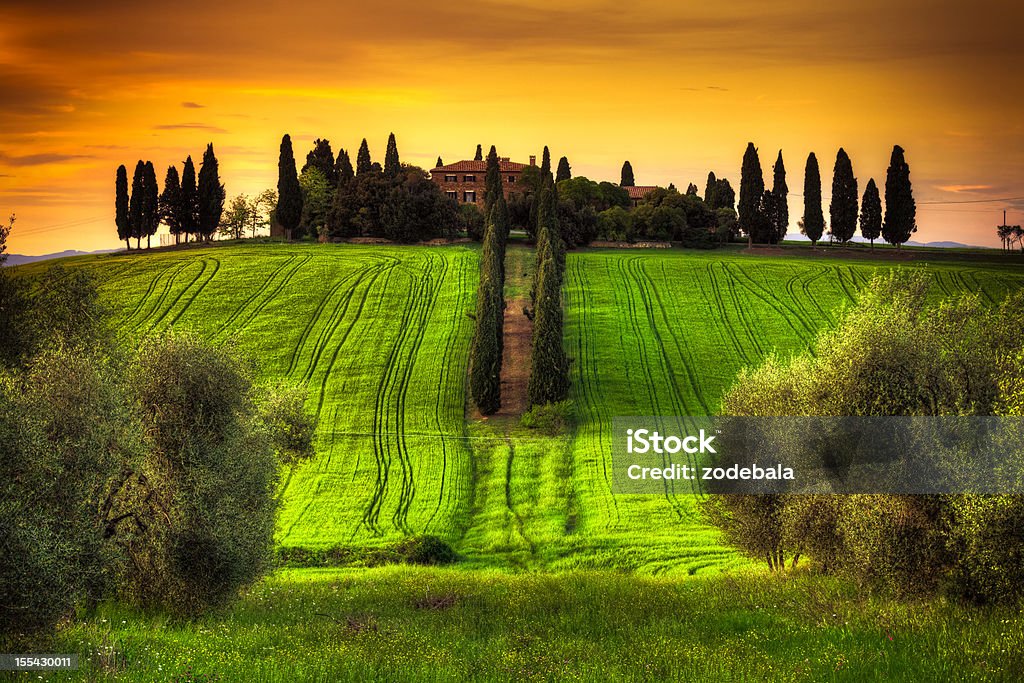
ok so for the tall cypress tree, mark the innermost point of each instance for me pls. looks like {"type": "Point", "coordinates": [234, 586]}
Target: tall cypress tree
{"type": "Point", "coordinates": [392, 165]}
{"type": "Point", "coordinates": [780, 201]}
{"type": "Point", "coordinates": [814, 218]}
{"type": "Point", "coordinates": [189, 209]}
{"type": "Point", "coordinates": [545, 163]}
{"type": "Point", "coordinates": [487, 347]}
{"type": "Point", "coordinates": [492, 183]}
{"type": "Point", "coordinates": [364, 164]}
{"type": "Point", "coordinates": [627, 179]}
{"type": "Point", "coordinates": [900, 208]}
{"type": "Point", "coordinates": [871, 213]}
{"type": "Point", "coordinates": [843, 208]}
{"type": "Point", "coordinates": [322, 158]}
{"type": "Point", "coordinates": [479, 156]}
{"type": "Point", "coordinates": [289, 193]}
{"type": "Point", "coordinates": [564, 172]}
{"type": "Point", "coordinates": [137, 205]}
{"type": "Point", "coordinates": [751, 191]}
{"type": "Point", "coordinates": [549, 367]}
{"type": "Point", "coordinates": [343, 167]}
{"type": "Point", "coordinates": [121, 202]}
{"type": "Point", "coordinates": [170, 202]}
{"type": "Point", "coordinates": [711, 191]}
{"type": "Point", "coordinates": [152, 203]}
{"type": "Point", "coordinates": [211, 194]}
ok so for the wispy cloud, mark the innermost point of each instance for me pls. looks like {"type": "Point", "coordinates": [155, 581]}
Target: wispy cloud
{"type": "Point", "coordinates": [193, 105]}
{"type": "Point", "coordinates": [190, 126]}
{"type": "Point", "coordinates": [964, 188]}
{"type": "Point", "coordinates": [38, 159]}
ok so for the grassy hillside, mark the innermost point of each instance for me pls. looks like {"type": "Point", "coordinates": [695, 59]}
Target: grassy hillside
{"type": "Point", "coordinates": [380, 337]}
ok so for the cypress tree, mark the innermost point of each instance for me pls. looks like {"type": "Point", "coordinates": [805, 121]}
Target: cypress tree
{"type": "Point", "coordinates": [289, 193]}
{"type": "Point", "coordinates": [492, 183]}
{"type": "Point", "coordinates": [711, 191]}
{"type": "Point", "coordinates": [439, 163]}
{"type": "Point", "coordinates": [545, 163]}
{"type": "Point", "coordinates": [392, 165]}
{"type": "Point", "coordinates": [502, 225]}
{"type": "Point", "coordinates": [211, 194]}
{"type": "Point", "coordinates": [137, 204]}
{"type": "Point", "coordinates": [322, 158]}
{"type": "Point", "coordinates": [780, 201]}
{"type": "Point", "coordinates": [152, 203]}
{"type": "Point", "coordinates": [751, 191]}
{"type": "Point", "coordinates": [479, 156]}
{"type": "Point", "coordinates": [871, 213]}
{"type": "Point", "coordinates": [564, 172]}
{"type": "Point", "coordinates": [725, 196]}
{"type": "Point", "coordinates": [121, 206]}
{"type": "Point", "coordinates": [900, 209]}
{"type": "Point", "coordinates": [189, 210]}
{"type": "Point", "coordinates": [843, 208]}
{"type": "Point", "coordinates": [363, 162]}
{"type": "Point", "coordinates": [549, 367]}
{"type": "Point", "coordinates": [487, 347]}
{"type": "Point", "coordinates": [627, 176]}
{"type": "Point", "coordinates": [343, 168]}
{"type": "Point", "coordinates": [814, 218]}
{"type": "Point", "coordinates": [170, 202]}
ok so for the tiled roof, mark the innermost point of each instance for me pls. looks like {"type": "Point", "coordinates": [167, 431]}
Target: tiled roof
{"type": "Point", "coordinates": [477, 167]}
{"type": "Point", "coordinates": [639, 191]}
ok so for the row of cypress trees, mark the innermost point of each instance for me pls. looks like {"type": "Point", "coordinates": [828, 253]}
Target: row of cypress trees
{"type": "Point", "coordinates": [186, 207]}
{"type": "Point", "coordinates": [488, 344]}
{"type": "Point", "coordinates": [549, 371]}
{"type": "Point", "coordinates": [764, 214]}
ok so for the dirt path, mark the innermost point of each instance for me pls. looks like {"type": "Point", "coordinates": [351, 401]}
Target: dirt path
{"type": "Point", "coordinates": [515, 362]}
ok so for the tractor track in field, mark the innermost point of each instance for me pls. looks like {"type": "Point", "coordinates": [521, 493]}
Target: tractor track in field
{"type": "Point", "coordinates": [587, 382]}
{"type": "Point", "coordinates": [723, 314]}
{"type": "Point", "coordinates": [174, 302]}
{"type": "Point", "coordinates": [775, 301]}
{"type": "Point", "coordinates": [165, 279]}
{"type": "Point", "coordinates": [197, 292]}
{"type": "Point", "coordinates": [262, 291]}
{"type": "Point", "coordinates": [740, 308]}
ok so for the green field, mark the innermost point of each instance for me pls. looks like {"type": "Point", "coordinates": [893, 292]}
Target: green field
{"type": "Point", "coordinates": [406, 624]}
{"type": "Point", "coordinates": [379, 335]}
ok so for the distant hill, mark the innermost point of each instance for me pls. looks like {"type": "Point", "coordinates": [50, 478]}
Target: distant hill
{"type": "Point", "coordinates": [19, 259]}
{"type": "Point", "coordinates": [911, 243]}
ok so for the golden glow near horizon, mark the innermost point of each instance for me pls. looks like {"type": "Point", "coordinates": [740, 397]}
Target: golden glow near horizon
{"type": "Point", "coordinates": [677, 90]}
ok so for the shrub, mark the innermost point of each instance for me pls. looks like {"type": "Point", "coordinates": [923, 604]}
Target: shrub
{"type": "Point", "coordinates": [550, 418]}
{"type": "Point", "coordinates": [426, 550]}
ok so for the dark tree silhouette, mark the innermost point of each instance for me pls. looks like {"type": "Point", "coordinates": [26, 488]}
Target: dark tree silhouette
{"type": "Point", "coordinates": [871, 213]}
{"type": "Point", "coordinates": [493, 185]}
{"type": "Point", "coordinates": [843, 208]}
{"type": "Point", "coordinates": [188, 212]}
{"type": "Point", "coordinates": [137, 204]}
{"type": "Point", "coordinates": [439, 163]}
{"type": "Point", "coordinates": [900, 209]}
{"type": "Point", "coordinates": [711, 191]}
{"type": "Point", "coordinates": [322, 158]}
{"type": "Point", "coordinates": [813, 224]}
{"type": "Point", "coordinates": [364, 164]}
{"type": "Point", "coordinates": [751, 191]}
{"type": "Point", "coordinates": [780, 201]}
{"type": "Point", "coordinates": [121, 206]}
{"type": "Point", "coordinates": [545, 164]}
{"type": "Point", "coordinates": [392, 164]}
{"type": "Point", "coordinates": [170, 202]}
{"type": "Point", "coordinates": [151, 221]}
{"type": "Point", "coordinates": [289, 193]}
{"type": "Point", "coordinates": [626, 179]}
{"type": "Point", "coordinates": [211, 194]}
{"type": "Point", "coordinates": [564, 171]}
{"type": "Point", "coordinates": [343, 167]}
{"type": "Point", "coordinates": [479, 156]}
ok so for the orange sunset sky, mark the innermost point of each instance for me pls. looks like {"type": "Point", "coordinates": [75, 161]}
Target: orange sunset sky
{"type": "Point", "coordinates": [677, 88]}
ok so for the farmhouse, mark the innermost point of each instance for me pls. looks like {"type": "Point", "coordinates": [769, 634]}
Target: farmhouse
{"type": "Point", "coordinates": [465, 181]}
{"type": "Point", "coordinates": [638, 192]}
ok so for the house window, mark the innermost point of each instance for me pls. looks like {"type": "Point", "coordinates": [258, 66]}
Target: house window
{"type": "Point", "coordinates": [452, 194]}
{"type": "Point", "coordinates": [469, 196]}
{"type": "Point", "coordinates": [469, 178]}
{"type": "Point", "coordinates": [451, 178]}
{"type": "Point", "coordinates": [511, 179]}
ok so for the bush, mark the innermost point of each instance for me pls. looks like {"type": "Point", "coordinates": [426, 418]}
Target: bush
{"type": "Point", "coordinates": [199, 515]}
{"type": "Point", "coordinates": [550, 418]}
{"type": "Point", "coordinates": [894, 354]}
{"type": "Point", "coordinates": [426, 550]}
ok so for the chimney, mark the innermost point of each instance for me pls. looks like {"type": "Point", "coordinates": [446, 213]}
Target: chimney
{"type": "Point", "coordinates": [533, 160]}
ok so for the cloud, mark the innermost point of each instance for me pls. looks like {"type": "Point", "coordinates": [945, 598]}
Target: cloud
{"type": "Point", "coordinates": [964, 188]}
{"type": "Point", "coordinates": [190, 126]}
{"type": "Point", "coordinates": [39, 159]}
{"type": "Point", "coordinates": [193, 105]}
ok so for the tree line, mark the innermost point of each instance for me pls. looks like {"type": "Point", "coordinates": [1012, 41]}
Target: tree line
{"type": "Point", "coordinates": [331, 199]}
{"type": "Point", "coordinates": [187, 206]}
{"type": "Point", "coordinates": [764, 213]}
